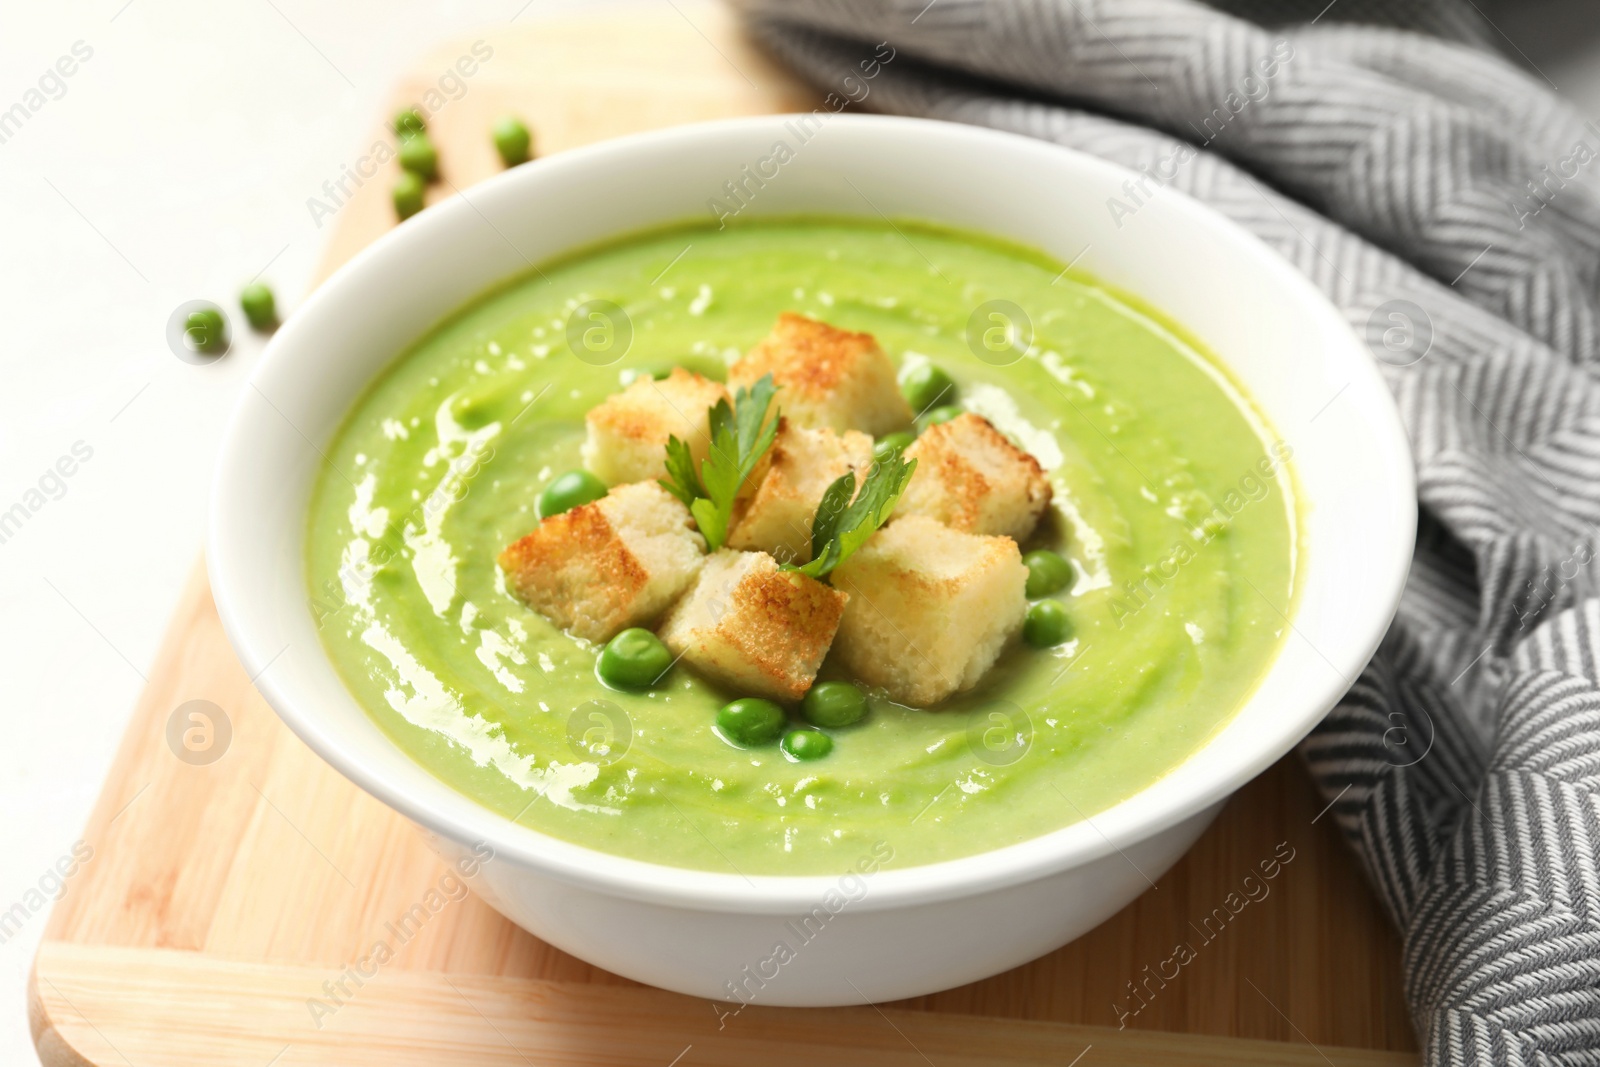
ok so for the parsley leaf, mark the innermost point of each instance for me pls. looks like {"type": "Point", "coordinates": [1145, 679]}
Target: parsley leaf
{"type": "Point", "coordinates": [842, 526]}
{"type": "Point", "coordinates": [740, 436]}
{"type": "Point", "coordinates": [681, 480]}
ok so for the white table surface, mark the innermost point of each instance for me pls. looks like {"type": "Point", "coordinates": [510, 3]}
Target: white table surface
{"type": "Point", "coordinates": [176, 166]}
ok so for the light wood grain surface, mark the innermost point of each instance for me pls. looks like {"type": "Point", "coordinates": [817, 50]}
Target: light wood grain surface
{"type": "Point", "coordinates": [219, 898]}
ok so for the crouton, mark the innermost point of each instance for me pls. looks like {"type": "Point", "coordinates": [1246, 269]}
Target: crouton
{"type": "Point", "coordinates": [628, 431]}
{"type": "Point", "coordinates": [775, 516]}
{"type": "Point", "coordinates": [757, 629]}
{"type": "Point", "coordinates": [972, 479]}
{"type": "Point", "coordinates": [826, 377]}
{"type": "Point", "coordinates": [603, 567]}
{"type": "Point", "coordinates": [930, 608]}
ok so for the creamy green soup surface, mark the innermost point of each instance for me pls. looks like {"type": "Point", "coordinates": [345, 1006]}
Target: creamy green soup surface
{"type": "Point", "coordinates": [1173, 500]}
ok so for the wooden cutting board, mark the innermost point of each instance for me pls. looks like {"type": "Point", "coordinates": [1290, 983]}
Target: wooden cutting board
{"type": "Point", "coordinates": [220, 896]}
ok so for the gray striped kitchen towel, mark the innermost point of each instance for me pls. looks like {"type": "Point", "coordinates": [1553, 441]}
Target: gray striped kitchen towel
{"type": "Point", "coordinates": [1449, 205]}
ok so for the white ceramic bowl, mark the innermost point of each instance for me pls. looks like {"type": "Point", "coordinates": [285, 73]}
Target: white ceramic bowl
{"type": "Point", "coordinates": [919, 929]}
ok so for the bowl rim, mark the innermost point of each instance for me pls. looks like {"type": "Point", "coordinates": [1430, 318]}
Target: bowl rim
{"type": "Point", "coordinates": [1114, 829]}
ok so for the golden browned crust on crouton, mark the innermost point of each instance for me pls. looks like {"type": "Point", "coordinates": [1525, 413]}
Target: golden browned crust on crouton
{"type": "Point", "coordinates": [804, 354]}
{"type": "Point", "coordinates": [826, 376]}
{"type": "Point", "coordinates": [602, 567]}
{"type": "Point", "coordinates": [971, 478]}
{"type": "Point", "coordinates": [784, 622]}
{"type": "Point", "coordinates": [755, 627]}
{"type": "Point", "coordinates": [576, 571]}
{"type": "Point", "coordinates": [930, 608]}
{"type": "Point", "coordinates": [628, 431]}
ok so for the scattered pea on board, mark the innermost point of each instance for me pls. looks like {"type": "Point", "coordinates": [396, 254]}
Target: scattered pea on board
{"type": "Point", "coordinates": [259, 306]}
{"type": "Point", "coordinates": [206, 330]}
{"type": "Point", "coordinates": [512, 140]}
{"type": "Point", "coordinates": [419, 157]}
{"type": "Point", "coordinates": [408, 192]}
{"type": "Point", "coordinates": [408, 122]}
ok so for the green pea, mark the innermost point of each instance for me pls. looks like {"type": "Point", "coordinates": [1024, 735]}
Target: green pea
{"type": "Point", "coordinates": [634, 659]}
{"type": "Point", "coordinates": [939, 414]}
{"type": "Point", "coordinates": [259, 306]}
{"type": "Point", "coordinates": [750, 721]}
{"type": "Point", "coordinates": [568, 491]}
{"type": "Point", "coordinates": [891, 444]}
{"type": "Point", "coordinates": [207, 331]}
{"type": "Point", "coordinates": [408, 195]}
{"type": "Point", "coordinates": [1047, 624]}
{"type": "Point", "coordinates": [512, 140]}
{"type": "Point", "coordinates": [807, 744]}
{"type": "Point", "coordinates": [418, 156]}
{"type": "Point", "coordinates": [409, 122]}
{"type": "Point", "coordinates": [926, 385]}
{"type": "Point", "coordinates": [1048, 573]}
{"type": "Point", "coordinates": [834, 704]}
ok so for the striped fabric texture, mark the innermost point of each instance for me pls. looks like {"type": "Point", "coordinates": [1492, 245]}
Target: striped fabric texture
{"type": "Point", "coordinates": [1449, 205]}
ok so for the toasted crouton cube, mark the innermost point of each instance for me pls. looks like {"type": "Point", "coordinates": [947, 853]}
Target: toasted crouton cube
{"type": "Point", "coordinates": [603, 567]}
{"type": "Point", "coordinates": [628, 431]}
{"type": "Point", "coordinates": [826, 377]}
{"type": "Point", "coordinates": [972, 479]}
{"type": "Point", "coordinates": [757, 629]}
{"type": "Point", "coordinates": [776, 516]}
{"type": "Point", "coordinates": [930, 608]}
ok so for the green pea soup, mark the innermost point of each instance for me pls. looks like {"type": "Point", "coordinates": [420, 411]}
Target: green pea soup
{"type": "Point", "coordinates": [1173, 503]}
